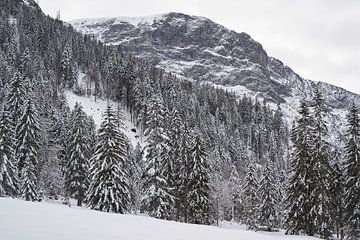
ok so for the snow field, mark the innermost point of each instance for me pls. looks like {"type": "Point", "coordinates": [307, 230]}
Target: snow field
{"type": "Point", "coordinates": [20, 220]}
{"type": "Point", "coordinates": [96, 110]}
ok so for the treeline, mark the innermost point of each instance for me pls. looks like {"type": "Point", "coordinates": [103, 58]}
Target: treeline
{"type": "Point", "coordinates": [322, 197]}
{"type": "Point", "coordinates": [41, 57]}
{"type": "Point", "coordinates": [208, 155]}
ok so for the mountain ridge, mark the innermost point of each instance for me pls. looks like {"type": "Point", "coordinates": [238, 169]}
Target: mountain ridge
{"type": "Point", "coordinates": [198, 49]}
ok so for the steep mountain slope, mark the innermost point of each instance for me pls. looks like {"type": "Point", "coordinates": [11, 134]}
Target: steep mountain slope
{"type": "Point", "coordinates": [198, 49]}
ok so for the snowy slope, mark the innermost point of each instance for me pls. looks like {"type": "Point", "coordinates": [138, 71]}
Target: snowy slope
{"type": "Point", "coordinates": [97, 109]}
{"type": "Point", "coordinates": [20, 220]}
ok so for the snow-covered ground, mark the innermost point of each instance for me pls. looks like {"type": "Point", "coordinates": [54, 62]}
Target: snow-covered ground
{"type": "Point", "coordinates": [20, 220]}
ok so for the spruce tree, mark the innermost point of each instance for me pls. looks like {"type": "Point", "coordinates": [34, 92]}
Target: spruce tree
{"type": "Point", "coordinates": [251, 197]}
{"type": "Point", "coordinates": [352, 179]}
{"type": "Point", "coordinates": [68, 70]}
{"type": "Point", "coordinates": [27, 146]}
{"type": "Point", "coordinates": [8, 170]}
{"type": "Point", "coordinates": [16, 97]}
{"type": "Point", "coordinates": [322, 172]}
{"type": "Point", "coordinates": [298, 193]}
{"type": "Point", "coordinates": [77, 165]}
{"type": "Point", "coordinates": [234, 187]}
{"type": "Point", "coordinates": [173, 160]}
{"type": "Point", "coordinates": [157, 200]}
{"type": "Point", "coordinates": [337, 193]}
{"type": "Point", "coordinates": [109, 188]}
{"type": "Point", "coordinates": [198, 189]}
{"type": "Point", "coordinates": [270, 198]}
{"type": "Point", "coordinates": [135, 177]}
{"type": "Point", "coordinates": [182, 178]}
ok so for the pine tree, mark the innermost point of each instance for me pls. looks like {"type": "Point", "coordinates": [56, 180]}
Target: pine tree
{"type": "Point", "coordinates": [352, 180]}
{"type": "Point", "coordinates": [198, 190]}
{"type": "Point", "coordinates": [298, 192]}
{"type": "Point", "coordinates": [25, 67]}
{"type": "Point", "coordinates": [182, 171]}
{"type": "Point", "coordinates": [16, 98]}
{"type": "Point", "coordinates": [8, 170]}
{"type": "Point", "coordinates": [135, 177]}
{"type": "Point", "coordinates": [157, 200]}
{"type": "Point", "coordinates": [173, 160]}
{"type": "Point", "coordinates": [322, 172]}
{"type": "Point", "coordinates": [109, 188]}
{"type": "Point", "coordinates": [251, 197]}
{"type": "Point", "coordinates": [337, 193]}
{"type": "Point", "coordinates": [68, 70]}
{"type": "Point", "coordinates": [27, 136]}
{"type": "Point", "coordinates": [234, 187]}
{"type": "Point", "coordinates": [77, 165]}
{"type": "Point", "coordinates": [270, 198]}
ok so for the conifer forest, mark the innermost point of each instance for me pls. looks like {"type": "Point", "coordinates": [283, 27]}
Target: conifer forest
{"type": "Point", "coordinates": [203, 154]}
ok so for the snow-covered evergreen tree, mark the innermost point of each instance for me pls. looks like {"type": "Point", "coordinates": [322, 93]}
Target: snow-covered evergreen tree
{"type": "Point", "coordinates": [68, 69]}
{"type": "Point", "coordinates": [337, 193]}
{"type": "Point", "coordinates": [109, 187]}
{"type": "Point", "coordinates": [251, 197]}
{"type": "Point", "coordinates": [135, 177]}
{"type": "Point", "coordinates": [173, 160]}
{"type": "Point", "coordinates": [16, 97]}
{"type": "Point", "coordinates": [352, 176]}
{"type": "Point", "coordinates": [322, 172]}
{"type": "Point", "coordinates": [78, 153]}
{"type": "Point", "coordinates": [8, 170]}
{"type": "Point", "coordinates": [182, 170]}
{"type": "Point", "coordinates": [198, 189]}
{"type": "Point", "coordinates": [298, 194]}
{"type": "Point", "coordinates": [269, 198]}
{"type": "Point", "coordinates": [234, 187]}
{"type": "Point", "coordinates": [309, 193]}
{"type": "Point", "coordinates": [157, 200]}
{"type": "Point", "coordinates": [27, 146]}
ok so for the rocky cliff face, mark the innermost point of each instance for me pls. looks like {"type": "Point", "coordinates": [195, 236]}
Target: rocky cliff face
{"type": "Point", "coordinates": [197, 49]}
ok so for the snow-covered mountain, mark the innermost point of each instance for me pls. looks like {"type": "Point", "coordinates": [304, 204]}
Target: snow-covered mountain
{"type": "Point", "coordinates": [198, 49]}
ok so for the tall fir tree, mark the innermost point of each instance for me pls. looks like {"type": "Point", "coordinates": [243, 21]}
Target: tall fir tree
{"type": "Point", "coordinates": [27, 147]}
{"type": "Point", "coordinates": [198, 189]}
{"type": "Point", "coordinates": [251, 197]}
{"type": "Point", "coordinates": [68, 69]}
{"type": "Point", "coordinates": [270, 198]}
{"type": "Point", "coordinates": [157, 200]}
{"type": "Point", "coordinates": [298, 192]}
{"type": "Point", "coordinates": [78, 153]}
{"type": "Point", "coordinates": [352, 179]}
{"type": "Point", "coordinates": [337, 192]}
{"type": "Point", "coordinates": [109, 189]}
{"type": "Point", "coordinates": [8, 169]}
{"type": "Point", "coordinates": [173, 159]}
{"type": "Point", "coordinates": [182, 171]}
{"type": "Point", "coordinates": [16, 97]}
{"type": "Point", "coordinates": [322, 172]}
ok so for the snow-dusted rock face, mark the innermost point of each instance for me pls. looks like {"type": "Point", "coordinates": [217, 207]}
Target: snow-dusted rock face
{"type": "Point", "coordinates": [30, 3]}
{"type": "Point", "coordinates": [198, 49]}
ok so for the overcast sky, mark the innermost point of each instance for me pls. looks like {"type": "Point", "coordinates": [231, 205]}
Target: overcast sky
{"type": "Point", "coordinates": [318, 39]}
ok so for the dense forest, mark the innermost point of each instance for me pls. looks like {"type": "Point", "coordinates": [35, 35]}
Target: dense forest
{"type": "Point", "coordinates": [208, 155]}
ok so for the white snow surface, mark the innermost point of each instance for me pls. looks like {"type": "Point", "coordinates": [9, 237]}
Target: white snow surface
{"type": "Point", "coordinates": [135, 21]}
{"type": "Point", "coordinates": [96, 109]}
{"type": "Point", "coordinates": [20, 220]}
